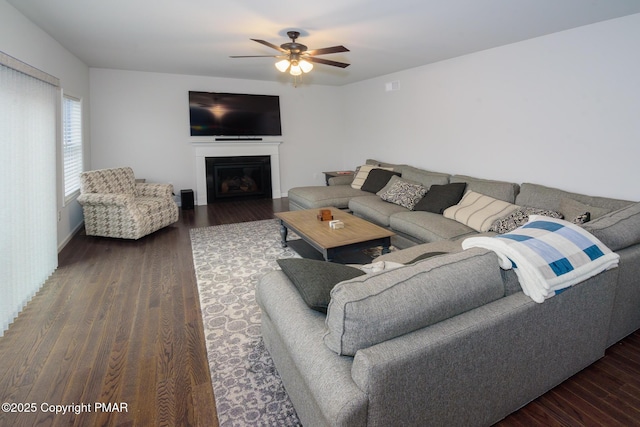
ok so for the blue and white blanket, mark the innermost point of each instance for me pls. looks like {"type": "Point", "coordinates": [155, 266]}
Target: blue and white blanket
{"type": "Point", "coordinates": [548, 255]}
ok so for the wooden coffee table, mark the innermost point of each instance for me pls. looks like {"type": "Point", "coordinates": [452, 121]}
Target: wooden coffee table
{"type": "Point", "coordinates": [357, 233]}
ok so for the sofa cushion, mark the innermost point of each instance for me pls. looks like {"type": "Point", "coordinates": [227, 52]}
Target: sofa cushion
{"type": "Point", "coordinates": [520, 217]}
{"type": "Point", "coordinates": [618, 229]}
{"type": "Point", "coordinates": [378, 307]}
{"type": "Point", "coordinates": [374, 209]}
{"type": "Point", "coordinates": [541, 196]}
{"type": "Point", "coordinates": [403, 193]}
{"type": "Point", "coordinates": [572, 209]}
{"type": "Point", "coordinates": [377, 179]}
{"type": "Point", "coordinates": [440, 197]}
{"type": "Point", "coordinates": [314, 279]}
{"type": "Point", "coordinates": [500, 190]}
{"type": "Point", "coordinates": [428, 226]}
{"type": "Point", "coordinates": [314, 197]}
{"type": "Point", "coordinates": [479, 211]}
{"type": "Point", "coordinates": [424, 177]}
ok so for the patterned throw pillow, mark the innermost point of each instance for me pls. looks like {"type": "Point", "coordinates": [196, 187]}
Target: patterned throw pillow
{"type": "Point", "coordinates": [582, 218]}
{"type": "Point", "coordinates": [403, 193]}
{"type": "Point", "coordinates": [520, 217]}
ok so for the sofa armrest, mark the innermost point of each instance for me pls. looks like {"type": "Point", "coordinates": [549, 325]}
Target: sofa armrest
{"type": "Point", "coordinates": [154, 190]}
{"type": "Point", "coordinates": [478, 367]}
{"type": "Point", "coordinates": [96, 199]}
{"type": "Point", "coordinates": [341, 180]}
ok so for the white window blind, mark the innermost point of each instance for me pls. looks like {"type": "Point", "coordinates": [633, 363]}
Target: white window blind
{"type": "Point", "coordinates": [29, 101]}
{"type": "Point", "coordinates": [71, 145]}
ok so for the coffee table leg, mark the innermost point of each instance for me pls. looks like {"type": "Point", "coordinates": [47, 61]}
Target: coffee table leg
{"type": "Point", "coordinates": [385, 246]}
{"type": "Point", "coordinates": [283, 234]}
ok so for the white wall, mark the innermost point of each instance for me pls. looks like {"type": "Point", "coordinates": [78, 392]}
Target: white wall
{"type": "Point", "coordinates": [141, 119]}
{"type": "Point", "coordinates": [560, 110]}
{"type": "Point", "coordinates": [23, 40]}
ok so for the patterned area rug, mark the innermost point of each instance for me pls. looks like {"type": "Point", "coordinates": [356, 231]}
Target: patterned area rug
{"type": "Point", "coordinates": [229, 260]}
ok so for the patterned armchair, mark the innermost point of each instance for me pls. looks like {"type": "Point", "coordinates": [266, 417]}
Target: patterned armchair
{"type": "Point", "coordinates": [115, 205]}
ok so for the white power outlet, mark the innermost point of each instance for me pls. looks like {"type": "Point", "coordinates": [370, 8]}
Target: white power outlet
{"type": "Point", "coordinates": [59, 216]}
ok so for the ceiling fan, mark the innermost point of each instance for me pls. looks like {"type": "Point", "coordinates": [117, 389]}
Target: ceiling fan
{"type": "Point", "coordinates": [296, 57]}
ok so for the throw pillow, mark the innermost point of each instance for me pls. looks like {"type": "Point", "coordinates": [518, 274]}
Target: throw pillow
{"type": "Point", "coordinates": [575, 211]}
{"type": "Point", "coordinates": [404, 193]}
{"type": "Point", "coordinates": [582, 219]}
{"type": "Point", "coordinates": [314, 279]}
{"type": "Point", "coordinates": [377, 179]}
{"type": "Point", "coordinates": [520, 217]}
{"type": "Point", "coordinates": [440, 197]}
{"type": "Point", "coordinates": [389, 184]}
{"type": "Point", "coordinates": [478, 211]}
{"type": "Point", "coordinates": [362, 174]}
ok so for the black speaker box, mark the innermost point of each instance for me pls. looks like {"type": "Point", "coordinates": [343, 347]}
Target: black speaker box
{"type": "Point", "coordinates": [186, 198]}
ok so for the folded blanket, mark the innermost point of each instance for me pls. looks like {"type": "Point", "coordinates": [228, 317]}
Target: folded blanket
{"type": "Point", "coordinates": [548, 255]}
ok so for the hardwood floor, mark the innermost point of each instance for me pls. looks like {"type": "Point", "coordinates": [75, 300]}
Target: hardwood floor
{"type": "Point", "coordinates": [119, 322]}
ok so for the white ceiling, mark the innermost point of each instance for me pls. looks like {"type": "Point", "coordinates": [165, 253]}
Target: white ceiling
{"type": "Point", "coordinates": [197, 37]}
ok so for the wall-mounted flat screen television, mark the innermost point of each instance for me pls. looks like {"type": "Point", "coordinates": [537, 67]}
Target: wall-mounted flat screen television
{"type": "Point", "coordinates": [234, 114]}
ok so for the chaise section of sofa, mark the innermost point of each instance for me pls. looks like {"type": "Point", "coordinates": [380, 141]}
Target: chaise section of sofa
{"type": "Point", "coordinates": [315, 197]}
{"type": "Point", "coordinates": [337, 194]}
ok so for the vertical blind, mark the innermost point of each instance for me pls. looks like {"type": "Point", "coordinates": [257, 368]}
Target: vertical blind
{"type": "Point", "coordinates": [71, 145]}
{"type": "Point", "coordinates": [28, 129]}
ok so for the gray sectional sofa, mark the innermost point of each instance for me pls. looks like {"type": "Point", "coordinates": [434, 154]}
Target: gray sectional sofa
{"type": "Point", "coordinates": [450, 339]}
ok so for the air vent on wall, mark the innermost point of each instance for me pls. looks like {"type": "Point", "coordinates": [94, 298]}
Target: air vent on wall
{"type": "Point", "coordinates": [395, 85]}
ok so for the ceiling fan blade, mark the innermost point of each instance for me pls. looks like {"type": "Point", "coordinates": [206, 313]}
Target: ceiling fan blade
{"type": "Point", "coordinates": [327, 50]}
{"type": "Point", "coordinates": [327, 62]}
{"type": "Point", "coordinates": [271, 45]}
{"type": "Point", "coordinates": [255, 56]}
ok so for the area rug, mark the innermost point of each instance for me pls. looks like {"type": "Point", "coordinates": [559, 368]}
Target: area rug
{"type": "Point", "coordinates": [229, 260]}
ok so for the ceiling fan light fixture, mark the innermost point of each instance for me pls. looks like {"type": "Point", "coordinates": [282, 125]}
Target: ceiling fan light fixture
{"type": "Point", "coordinates": [305, 65]}
{"type": "Point", "coordinates": [295, 70]}
{"type": "Point", "coordinates": [282, 65]}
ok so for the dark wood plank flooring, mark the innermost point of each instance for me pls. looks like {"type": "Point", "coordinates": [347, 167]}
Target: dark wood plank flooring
{"type": "Point", "coordinates": [120, 322]}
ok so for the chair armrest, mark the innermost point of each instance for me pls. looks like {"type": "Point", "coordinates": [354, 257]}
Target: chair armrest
{"type": "Point", "coordinates": [154, 190]}
{"type": "Point", "coordinates": [96, 199]}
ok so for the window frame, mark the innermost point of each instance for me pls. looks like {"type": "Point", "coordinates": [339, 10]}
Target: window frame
{"type": "Point", "coordinates": [77, 145]}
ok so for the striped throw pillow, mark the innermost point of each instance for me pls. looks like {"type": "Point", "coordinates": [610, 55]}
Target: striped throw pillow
{"type": "Point", "coordinates": [479, 211]}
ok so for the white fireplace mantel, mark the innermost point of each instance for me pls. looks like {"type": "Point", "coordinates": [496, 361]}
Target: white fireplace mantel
{"type": "Point", "coordinates": [202, 150]}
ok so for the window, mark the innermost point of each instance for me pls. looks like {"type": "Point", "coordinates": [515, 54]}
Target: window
{"type": "Point", "coordinates": [71, 145]}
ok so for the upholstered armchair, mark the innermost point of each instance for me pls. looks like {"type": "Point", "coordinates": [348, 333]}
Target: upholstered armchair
{"type": "Point", "coordinates": [115, 205]}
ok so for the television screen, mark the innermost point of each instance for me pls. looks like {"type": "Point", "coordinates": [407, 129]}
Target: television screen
{"type": "Point", "coordinates": [234, 114]}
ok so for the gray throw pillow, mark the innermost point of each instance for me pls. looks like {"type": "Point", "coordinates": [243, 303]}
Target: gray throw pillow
{"type": "Point", "coordinates": [440, 197]}
{"type": "Point", "coordinates": [315, 279]}
{"type": "Point", "coordinates": [377, 179]}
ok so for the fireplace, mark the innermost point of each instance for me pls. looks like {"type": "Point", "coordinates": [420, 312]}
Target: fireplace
{"type": "Point", "coordinates": [238, 177]}
{"type": "Point", "coordinates": [203, 150]}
